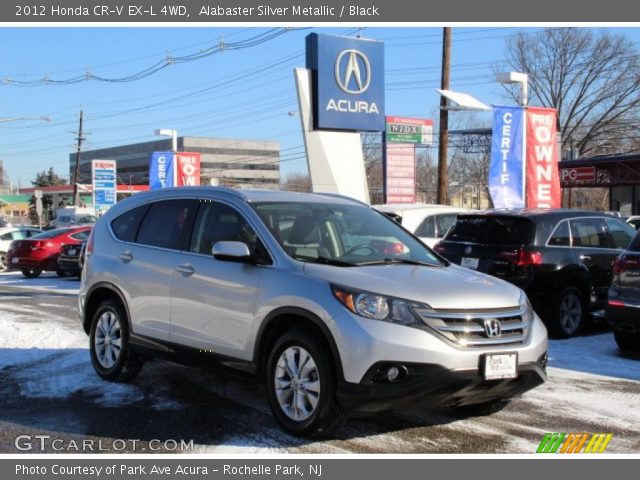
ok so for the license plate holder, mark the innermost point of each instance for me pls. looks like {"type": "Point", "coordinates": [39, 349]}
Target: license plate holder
{"type": "Point", "coordinates": [499, 366]}
{"type": "Point", "coordinates": [470, 262]}
{"type": "Point", "coordinates": [71, 252]}
{"type": "Point", "coordinates": [15, 260]}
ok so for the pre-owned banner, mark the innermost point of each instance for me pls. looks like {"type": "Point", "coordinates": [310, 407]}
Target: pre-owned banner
{"type": "Point", "coordinates": [506, 169]}
{"type": "Point", "coordinates": [188, 169]}
{"type": "Point", "coordinates": [543, 179]}
{"type": "Point", "coordinates": [161, 170]}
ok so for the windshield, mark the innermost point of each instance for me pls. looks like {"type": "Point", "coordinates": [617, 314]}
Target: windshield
{"type": "Point", "coordinates": [343, 235]}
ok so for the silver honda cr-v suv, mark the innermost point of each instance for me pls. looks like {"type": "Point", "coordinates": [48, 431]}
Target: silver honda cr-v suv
{"type": "Point", "coordinates": [335, 306]}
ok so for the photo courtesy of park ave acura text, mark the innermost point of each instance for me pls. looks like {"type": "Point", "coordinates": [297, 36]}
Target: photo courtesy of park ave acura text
{"type": "Point", "coordinates": [285, 241]}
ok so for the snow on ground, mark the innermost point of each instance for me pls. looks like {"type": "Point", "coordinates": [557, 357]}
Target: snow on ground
{"type": "Point", "coordinates": [47, 282]}
{"type": "Point", "coordinates": [597, 354]}
{"type": "Point", "coordinates": [53, 360]}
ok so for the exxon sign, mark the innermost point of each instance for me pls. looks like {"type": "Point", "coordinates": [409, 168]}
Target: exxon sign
{"type": "Point", "coordinates": [348, 82]}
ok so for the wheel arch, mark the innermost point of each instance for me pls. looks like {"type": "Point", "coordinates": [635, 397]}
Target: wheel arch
{"type": "Point", "coordinates": [285, 318]}
{"type": "Point", "coordinates": [98, 293]}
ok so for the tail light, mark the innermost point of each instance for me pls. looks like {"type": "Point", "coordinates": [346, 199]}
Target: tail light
{"type": "Point", "coordinates": [624, 263]}
{"type": "Point", "coordinates": [394, 249]}
{"type": "Point", "coordinates": [615, 303]}
{"type": "Point", "coordinates": [89, 248]}
{"type": "Point", "coordinates": [522, 257]}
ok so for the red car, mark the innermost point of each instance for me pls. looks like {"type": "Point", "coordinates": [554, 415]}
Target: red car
{"type": "Point", "coordinates": [40, 252]}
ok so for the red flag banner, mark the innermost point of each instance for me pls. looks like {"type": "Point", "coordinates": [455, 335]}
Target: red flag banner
{"type": "Point", "coordinates": [188, 169]}
{"type": "Point", "coordinates": [543, 180]}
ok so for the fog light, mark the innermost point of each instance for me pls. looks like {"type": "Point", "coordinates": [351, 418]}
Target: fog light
{"type": "Point", "coordinates": [396, 373]}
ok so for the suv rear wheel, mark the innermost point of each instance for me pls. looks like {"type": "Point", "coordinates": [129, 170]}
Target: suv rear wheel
{"type": "Point", "coordinates": [109, 344]}
{"type": "Point", "coordinates": [567, 313]}
{"type": "Point", "coordinates": [300, 381]}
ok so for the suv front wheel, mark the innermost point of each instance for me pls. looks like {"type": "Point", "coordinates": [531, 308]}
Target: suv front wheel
{"type": "Point", "coordinates": [109, 344]}
{"type": "Point", "coordinates": [300, 381]}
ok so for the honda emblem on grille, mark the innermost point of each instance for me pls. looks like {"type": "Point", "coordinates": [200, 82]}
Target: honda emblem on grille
{"type": "Point", "coordinates": [492, 327]}
{"type": "Point", "coordinates": [467, 250]}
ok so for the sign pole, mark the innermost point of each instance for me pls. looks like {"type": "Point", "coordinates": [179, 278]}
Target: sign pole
{"type": "Point", "coordinates": [384, 167]}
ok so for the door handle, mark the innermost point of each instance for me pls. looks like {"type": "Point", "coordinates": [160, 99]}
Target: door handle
{"type": "Point", "coordinates": [585, 257]}
{"type": "Point", "coordinates": [186, 269]}
{"type": "Point", "coordinates": [126, 256]}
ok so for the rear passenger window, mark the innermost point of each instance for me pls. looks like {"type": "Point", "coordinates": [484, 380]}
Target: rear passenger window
{"type": "Point", "coordinates": [561, 236]}
{"type": "Point", "coordinates": [588, 232]}
{"type": "Point", "coordinates": [427, 228]}
{"type": "Point", "coordinates": [166, 223]}
{"type": "Point", "coordinates": [126, 225]}
{"type": "Point", "coordinates": [620, 234]}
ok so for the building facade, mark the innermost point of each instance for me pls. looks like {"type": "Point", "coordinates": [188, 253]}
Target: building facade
{"type": "Point", "coordinates": [227, 162]}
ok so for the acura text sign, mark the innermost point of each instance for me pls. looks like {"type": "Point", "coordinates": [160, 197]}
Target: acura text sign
{"type": "Point", "coordinates": [348, 82]}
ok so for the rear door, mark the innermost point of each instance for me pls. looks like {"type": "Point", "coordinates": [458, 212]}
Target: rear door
{"type": "Point", "coordinates": [589, 239]}
{"type": "Point", "coordinates": [144, 261]}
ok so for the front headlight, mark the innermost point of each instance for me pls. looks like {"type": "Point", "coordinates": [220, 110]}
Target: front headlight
{"type": "Point", "coordinates": [379, 307]}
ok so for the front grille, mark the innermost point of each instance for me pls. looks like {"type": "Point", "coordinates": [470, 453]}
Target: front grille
{"type": "Point", "coordinates": [484, 328]}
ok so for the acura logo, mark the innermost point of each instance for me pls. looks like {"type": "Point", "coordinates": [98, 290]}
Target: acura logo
{"type": "Point", "coordinates": [467, 250]}
{"type": "Point", "coordinates": [351, 77]}
{"type": "Point", "coordinates": [492, 327]}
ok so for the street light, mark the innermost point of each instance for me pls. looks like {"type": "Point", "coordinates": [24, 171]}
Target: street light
{"type": "Point", "coordinates": [516, 77]}
{"type": "Point", "coordinates": [166, 132]}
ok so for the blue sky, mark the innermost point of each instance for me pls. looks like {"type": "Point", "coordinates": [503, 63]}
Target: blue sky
{"type": "Point", "coordinates": [245, 93]}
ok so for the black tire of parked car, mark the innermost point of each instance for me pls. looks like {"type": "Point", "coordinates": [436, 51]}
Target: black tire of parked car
{"type": "Point", "coordinates": [62, 273]}
{"type": "Point", "coordinates": [627, 341]}
{"type": "Point", "coordinates": [31, 272]}
{"type": "Point", "coordinates": [328, 413]}
{"type": "Point", "coordinates": [127, 364]}
{"type": "Point", "coordinates": [3, 265]}
{"type": "Point", "coordinates": [565, 315]}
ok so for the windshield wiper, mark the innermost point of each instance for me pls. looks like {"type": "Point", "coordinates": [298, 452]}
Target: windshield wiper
{"type": "Point", "coordinates": [327, 261]}
{"type": "Point", "coordinates": [405, 261]}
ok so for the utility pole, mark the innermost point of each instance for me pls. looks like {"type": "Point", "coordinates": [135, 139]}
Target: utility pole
{"type": "Point", "coordinates": [76, 174]}
{"type": "Point", "coordinates": [443, 133]}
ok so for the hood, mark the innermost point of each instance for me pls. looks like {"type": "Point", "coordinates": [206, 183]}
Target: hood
{"type": "Point", "coordinates": [451, 287]}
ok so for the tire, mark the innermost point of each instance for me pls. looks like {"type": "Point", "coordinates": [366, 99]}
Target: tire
{"type": "Point", "coordinates": [61, 273]}
{"type": "Point", "coordinates": [567, 314]}
{"type": "Point", "coordinates": [627, 341]}
{"type": "Point", "coordinates": [109, 344]}
{"type": "Point", "coordinates": [317, 412]}
{"type": "Point", "coordinates": [480, 409]}
{"type": "Point", "coordinates": [3, 265]}
{"type": "Point", "coordinates": [31, 272]}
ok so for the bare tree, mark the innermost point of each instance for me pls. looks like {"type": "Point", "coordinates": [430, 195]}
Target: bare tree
{"type": "Point", "coordinates": [592, 79]}
{"type": "Point", "coordinates": [297, 182]}
{"type": "Point", "coordinates": [372, 153]}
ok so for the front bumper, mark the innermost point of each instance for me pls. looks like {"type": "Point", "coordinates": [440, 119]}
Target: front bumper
{"type": "Point", "coordinates": [433, 385]}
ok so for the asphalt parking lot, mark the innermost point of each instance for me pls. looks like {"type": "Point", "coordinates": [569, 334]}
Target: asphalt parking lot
{"type": "Point", "coordinates": [48, 391]}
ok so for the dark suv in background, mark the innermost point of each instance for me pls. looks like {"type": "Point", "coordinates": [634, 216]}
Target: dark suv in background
{"type": "Point", "coordinates": [623, 309]}
{"type": "Point", "coordinates": [562, 258]}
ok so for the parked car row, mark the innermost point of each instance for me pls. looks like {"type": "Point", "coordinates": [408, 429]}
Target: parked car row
{"type": "Point", "coordinates": [40, 252]}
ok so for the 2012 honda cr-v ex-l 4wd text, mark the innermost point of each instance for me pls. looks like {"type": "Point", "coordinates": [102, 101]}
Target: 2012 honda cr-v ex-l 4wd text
{"type": "Point", "coordinates": [334, 306]}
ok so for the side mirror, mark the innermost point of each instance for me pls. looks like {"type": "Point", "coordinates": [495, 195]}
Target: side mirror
{"type": "Point", "coordinates": [231, 252]}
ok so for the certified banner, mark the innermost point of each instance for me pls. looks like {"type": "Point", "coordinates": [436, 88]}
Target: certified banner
{"type": "Point", "coordinates": [161, 170]}
{"type": "Point", "coordinates": [543, 179]}
{"type": "Point", "coordinates": [506, 169]}
{"type": "Point", "coordinates": [188, 169]}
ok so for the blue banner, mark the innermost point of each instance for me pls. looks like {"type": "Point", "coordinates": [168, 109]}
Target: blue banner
{"type": "Point", "coordinates": [506, 170]}
{"type": "Point", "coordinates": [348, 82]}
{"type": "Point", "coordinates": [161, 170]}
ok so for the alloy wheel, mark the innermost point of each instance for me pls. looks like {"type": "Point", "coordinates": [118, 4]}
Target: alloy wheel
{"type": "Point", "coordinates": [297, 383]}
{"type": "Point", "coordinates": [108, 339]}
